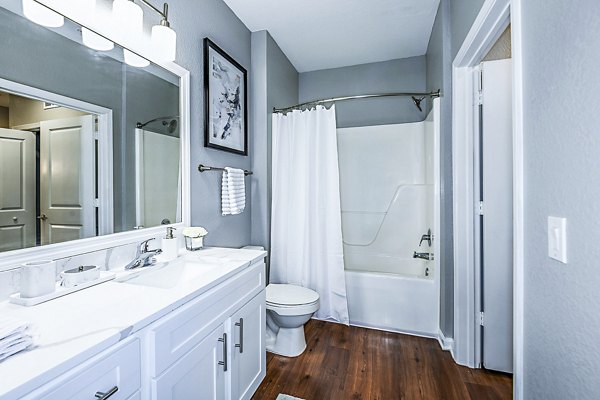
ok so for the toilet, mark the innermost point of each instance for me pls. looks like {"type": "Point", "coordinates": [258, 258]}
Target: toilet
{"type": "Point", "coordinates": [289, 307]}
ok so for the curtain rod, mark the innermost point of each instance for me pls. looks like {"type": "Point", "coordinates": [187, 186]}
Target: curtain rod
{"type": "Point", "coordinates": [416, 96]}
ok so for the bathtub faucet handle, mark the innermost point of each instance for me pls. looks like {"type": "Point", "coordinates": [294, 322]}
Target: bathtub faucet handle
{"type": "Point", "coordinates": [426, 237]}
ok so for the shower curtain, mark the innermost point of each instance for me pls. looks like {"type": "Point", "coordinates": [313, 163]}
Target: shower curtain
{"type": "Point", "coordinates": [306, 223]}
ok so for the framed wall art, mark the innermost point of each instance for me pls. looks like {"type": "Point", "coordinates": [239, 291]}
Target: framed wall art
{"type": "Point", "coordinates": [225, 101]}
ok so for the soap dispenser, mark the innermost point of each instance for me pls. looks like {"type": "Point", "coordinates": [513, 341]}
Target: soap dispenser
{"type": "Point", "coordinates": [170, 245]}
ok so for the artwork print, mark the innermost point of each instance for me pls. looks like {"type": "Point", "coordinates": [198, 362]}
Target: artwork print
{"type": "Point", "coordinates": [225, 101]}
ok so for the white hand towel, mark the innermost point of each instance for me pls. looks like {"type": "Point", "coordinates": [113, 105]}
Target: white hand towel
{"type": "Point", "coordinates": [15, 336]}
{"type": "Point", "coordinates": [233, 191]}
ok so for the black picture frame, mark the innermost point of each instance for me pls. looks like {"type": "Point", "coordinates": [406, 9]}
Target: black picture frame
{"type": "Point", "coordinates": [221, 118]}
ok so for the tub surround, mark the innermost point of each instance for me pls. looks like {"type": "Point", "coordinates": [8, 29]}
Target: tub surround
{"type": "Point", "coordinates": [76, 327]}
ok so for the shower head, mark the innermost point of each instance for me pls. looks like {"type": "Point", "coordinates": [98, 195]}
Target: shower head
{"type": "Point", "coordinates": [170, 125]}
{"type": "Point", "coordinates": [417, 102]}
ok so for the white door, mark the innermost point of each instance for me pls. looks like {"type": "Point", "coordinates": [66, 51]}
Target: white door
{"type": "Point", "coordinates": [157, 178]}
{"type": "Point", "coordinates": [497, 221]}
{"type": "Point", "coordinates": [17, 189]}
{"type": "Point", "coordinates": [248, 348]}
{"type": "Point", "coordinates": [197, 375]}
{"type": "Point", "coordinates": [67, 179]}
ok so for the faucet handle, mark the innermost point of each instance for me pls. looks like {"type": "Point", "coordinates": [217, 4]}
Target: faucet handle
{"type": "Point", "coordinates": [144, 245]}
{"type": "Point", "coordinates": [426, 237]}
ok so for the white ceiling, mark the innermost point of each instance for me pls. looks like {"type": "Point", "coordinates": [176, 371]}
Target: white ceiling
{"type": "Point", "coordinates": [321, 34]}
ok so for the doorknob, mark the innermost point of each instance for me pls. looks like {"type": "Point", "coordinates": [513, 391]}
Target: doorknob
{"type": "Point", "coordinates": [15, 220]}
{"type": "Point", "coordinates": [42, 217]}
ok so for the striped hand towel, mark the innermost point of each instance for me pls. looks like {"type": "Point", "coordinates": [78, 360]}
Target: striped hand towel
{"type": "Point", "coordinates": [233, 192]}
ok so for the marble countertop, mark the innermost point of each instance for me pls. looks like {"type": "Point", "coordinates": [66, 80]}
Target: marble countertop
{"type": "Point", "coordinates": [78, 326]}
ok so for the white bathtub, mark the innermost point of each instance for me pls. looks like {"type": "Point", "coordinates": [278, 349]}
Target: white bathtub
{"type": "Point", "coordinates": [406, 303]}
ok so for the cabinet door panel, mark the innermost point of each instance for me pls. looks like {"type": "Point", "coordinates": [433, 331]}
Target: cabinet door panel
{"type": "Point", "coordinates": [197, 375]}
{"type": "Point", "coordinates": [248, 352]}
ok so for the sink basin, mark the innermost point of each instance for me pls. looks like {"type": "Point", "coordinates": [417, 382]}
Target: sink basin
{"type": "Point", "coordinates": [167, 275]}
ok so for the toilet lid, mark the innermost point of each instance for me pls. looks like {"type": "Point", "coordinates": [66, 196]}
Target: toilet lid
{"type": "Point", "coordinates": [290, 295]}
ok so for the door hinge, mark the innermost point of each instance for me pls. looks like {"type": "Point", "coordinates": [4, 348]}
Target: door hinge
{"type": "Point", "coordinates": [96, 203]}
{"type": "Point", "coordinates": [480, 208]}
{"type": "Point", "coordinates": [96, 135]}
{"type": "Point", "coordinates": [481, 318]}
{"type": "Point", "coordinates": [480, 86]}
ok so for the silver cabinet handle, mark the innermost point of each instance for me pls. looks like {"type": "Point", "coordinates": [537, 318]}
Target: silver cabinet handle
{"type": "Point", "coordinates": [241, 344]}
{"type": "Point", "coordinates": [104, 396]}
{"type": "Point", "coordinates": [224, 362]}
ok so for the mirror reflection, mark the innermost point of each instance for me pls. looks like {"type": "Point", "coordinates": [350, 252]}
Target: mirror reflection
{"type": "Point", "coordinates": [89, 145]}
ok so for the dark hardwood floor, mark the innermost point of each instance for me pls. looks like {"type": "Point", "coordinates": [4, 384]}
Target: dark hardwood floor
{"type": "Point", "coordinates": [343, 362]}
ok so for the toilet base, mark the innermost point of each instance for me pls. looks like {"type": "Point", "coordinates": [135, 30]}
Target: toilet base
{"type": "Point", "coordinates": [287, 342]}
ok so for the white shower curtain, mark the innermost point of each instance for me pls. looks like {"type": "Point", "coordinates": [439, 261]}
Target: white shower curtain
{"type": "Point", "coordinates": [306, 222]}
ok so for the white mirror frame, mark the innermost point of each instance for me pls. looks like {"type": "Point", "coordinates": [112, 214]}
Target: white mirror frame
{"type": "Point", "coordinates": [12, 259]}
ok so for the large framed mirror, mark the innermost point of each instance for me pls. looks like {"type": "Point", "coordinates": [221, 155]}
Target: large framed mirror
{"type": "Point", "coordinates": [94, 148]}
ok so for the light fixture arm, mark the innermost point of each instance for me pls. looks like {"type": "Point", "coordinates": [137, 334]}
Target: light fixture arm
{"type": "Point", "coordinates": [164, 13]}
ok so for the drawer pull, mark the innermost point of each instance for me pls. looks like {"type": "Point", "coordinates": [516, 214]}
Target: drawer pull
{"type": "Point", "coordinates": [224, 362]}
{"type": "Point", "coordinates": [241, 344]}
{"type": "Point", "coordinates": [104, 396]}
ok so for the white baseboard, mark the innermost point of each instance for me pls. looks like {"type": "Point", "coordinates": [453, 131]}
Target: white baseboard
{"type": "Point", "coordinates": [447, 344]}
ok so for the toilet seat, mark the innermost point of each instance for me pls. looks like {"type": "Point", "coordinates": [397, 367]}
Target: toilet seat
{"type": "Point", "coordinates": [290, 295]}
{"type": "Point", "coordinates": [287, 299]}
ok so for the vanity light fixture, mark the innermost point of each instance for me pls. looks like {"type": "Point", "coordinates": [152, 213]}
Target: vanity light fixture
{"type": "Point", "coordinates": [90, 38]}
{"type": "Point", "coordinates": [164, 38]}
{"type": "Point", "coordinates": [41, 14]}
{"type": "Point", "coordinates": [126, 15]}
{"type": "Point", "coordinates": [134, 60]}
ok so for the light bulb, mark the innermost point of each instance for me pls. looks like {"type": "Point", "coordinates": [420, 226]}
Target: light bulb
{"type": "Point", "coordinates": [164, 39]}
{"type": "Point", "coordinates": [128, 16]}
{"type": "Point", "coordinates": [134, 60]}
{"type": "Point", "coordinates": [94, 41]}
{"type": "Point", "coordinates": [42, 15]}
{"type": "Point", "coordinates": [83, 8]}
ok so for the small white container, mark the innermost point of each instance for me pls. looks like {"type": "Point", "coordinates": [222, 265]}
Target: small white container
{"type": "Point", "coordinates": [80, 275]}
{"type": "Point", "coordinates": [38, 278]}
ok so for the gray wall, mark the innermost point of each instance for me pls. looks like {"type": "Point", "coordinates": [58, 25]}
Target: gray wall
{"type": "Point", "coordinates": [562, 178]}
{"type": "Point", "coordinates": [462, 15]}
{"type": "Point", "coordinates": [193, 20]}
{"type": "Point", "coordinates": [439, 76]}
{"type": "Point", "coordinates": [275, 84]}
{"type": "Point", "coordinates": [402, 75]}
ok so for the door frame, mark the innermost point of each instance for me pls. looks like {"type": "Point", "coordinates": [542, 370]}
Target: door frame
{"type": "Point", "coordinates": [494, 17]}
{"type": "Point", "coordinates": [105, 220]}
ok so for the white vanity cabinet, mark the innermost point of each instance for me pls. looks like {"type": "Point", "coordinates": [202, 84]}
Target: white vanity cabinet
{"type": "Point", "coordinates": [214, 346]}
{"type": "Point", "coordinates": [210, 346]}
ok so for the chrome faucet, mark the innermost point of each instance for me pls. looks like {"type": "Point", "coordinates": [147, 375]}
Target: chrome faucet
{"type": "Point", "coordinates": [143, 257]}
{"type": "Point", "coordinates": [423, 256]}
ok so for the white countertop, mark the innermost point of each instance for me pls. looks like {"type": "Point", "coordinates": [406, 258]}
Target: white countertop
{"type": "Point", "coordinates": [75, 327]}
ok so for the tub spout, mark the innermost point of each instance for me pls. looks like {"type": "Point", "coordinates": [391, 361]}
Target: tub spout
{"type": "Point", "coordinates": [423, 256]}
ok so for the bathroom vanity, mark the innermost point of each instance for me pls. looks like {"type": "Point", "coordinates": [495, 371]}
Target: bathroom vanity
{"type": "Point", "coordinates": [191, 329]}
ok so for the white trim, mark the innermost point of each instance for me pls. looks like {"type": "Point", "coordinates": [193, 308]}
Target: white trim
{"type": "Point", "coordinates": [493, 18]}
{"type": "Point", "coordinates": [518, 201]}
{"type": "Point", "coordinates": [12, 259]}
{"type": "Point", "coordinates": [447, 344]}
{"type": "Point", "coordinates": [438, 236]}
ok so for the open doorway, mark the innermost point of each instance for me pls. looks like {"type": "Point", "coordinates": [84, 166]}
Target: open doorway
{"type": "Point", "coordinates": [472, 245]}
{"type": "Point", "coordinates": [48, 185]}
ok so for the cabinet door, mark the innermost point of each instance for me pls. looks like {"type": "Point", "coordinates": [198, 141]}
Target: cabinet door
{"type": "Point", "coordinates": [199, 374]}
{"type": "Point", "coordinates": [248, 348]}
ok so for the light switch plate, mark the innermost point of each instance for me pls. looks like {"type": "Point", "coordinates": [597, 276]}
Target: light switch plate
{"type": "Point", "coordinates": [557, 239]}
